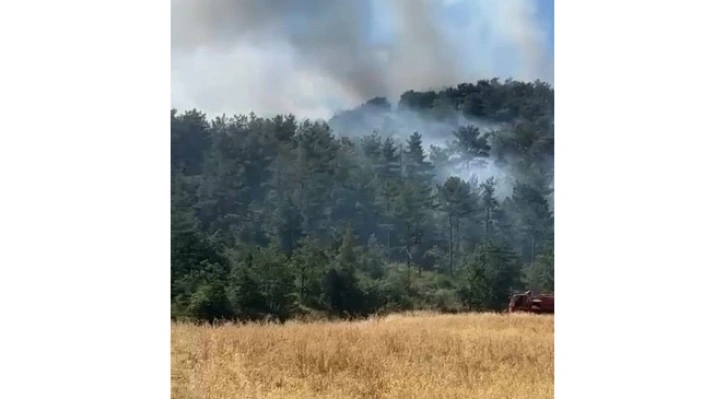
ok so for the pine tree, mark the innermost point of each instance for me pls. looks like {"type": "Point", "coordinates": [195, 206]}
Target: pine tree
{"type": "Point", "coordinates": [492, 274]}
{"type": "Point", "coordinates": [455, 199]}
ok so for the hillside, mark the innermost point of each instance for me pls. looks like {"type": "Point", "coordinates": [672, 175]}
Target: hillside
{"type": "Point", "coordinates": [443, 201]}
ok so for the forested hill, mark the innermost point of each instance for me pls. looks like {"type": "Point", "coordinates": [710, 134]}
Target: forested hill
{"type": "Point", "coordinates": [442, 201]}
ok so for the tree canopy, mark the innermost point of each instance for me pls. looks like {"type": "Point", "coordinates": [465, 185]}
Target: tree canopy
{"type": "Point", "coordinates": [443, 202]}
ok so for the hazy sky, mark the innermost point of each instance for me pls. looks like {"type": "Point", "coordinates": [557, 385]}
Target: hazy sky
{"type": "Point", "coordinates": [313, 57]}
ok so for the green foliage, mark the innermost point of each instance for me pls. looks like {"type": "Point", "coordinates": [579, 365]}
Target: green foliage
{"type": "Point", "coordinates": [395, 291]}
{"type": "Point", "coordinates": [532, 218]}
{"type": "Point", "coordinates": [491, 275]}
{"type": "Point", "coordinates": [456, 200]}
{"type": "Point", "coordinates": [208, 301]}
{"type": "Point", "coordinates": [470, 144]}
{"type": "Point", "coordinates": [540, 275]}
{"type": "Point", "coordinates": [280, 217]}
{"type": "Point", "coordinates": [276, 282]}
{"type": "Point", "coordinates": [445, 300]}
{"type": "Point", "coordinates": [309, 264]}
{"type": "Point", "coordinates": [244, 289]}
{"type": "Point", "coordinates": [374, 258]}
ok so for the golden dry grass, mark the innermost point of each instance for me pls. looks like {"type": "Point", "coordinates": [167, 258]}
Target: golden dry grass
{"type": "Point", "coordinates": [400, 356]}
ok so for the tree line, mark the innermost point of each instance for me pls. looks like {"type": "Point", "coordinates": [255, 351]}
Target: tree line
{"type": "Point", "coordinates": [280, 217]}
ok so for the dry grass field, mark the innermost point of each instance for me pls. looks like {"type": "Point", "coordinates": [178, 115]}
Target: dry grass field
{"type": "Point", "coordinates": [401, 356]}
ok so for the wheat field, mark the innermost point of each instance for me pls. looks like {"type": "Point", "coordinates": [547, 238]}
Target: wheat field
{"type": "Point", "coordinates": [419, 355]}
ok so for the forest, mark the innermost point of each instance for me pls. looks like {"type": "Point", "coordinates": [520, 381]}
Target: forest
{"type": "Point", "coordinates": [443, 201]}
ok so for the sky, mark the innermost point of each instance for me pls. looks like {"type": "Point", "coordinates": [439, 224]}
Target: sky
{"type": "Point", "coordinates": [317, 57]}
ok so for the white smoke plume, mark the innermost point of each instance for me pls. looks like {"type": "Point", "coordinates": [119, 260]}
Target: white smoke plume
{"type": "Point", "coordinates": [314, 57]}
{"type": "Point", "coordinates": [400, 123]}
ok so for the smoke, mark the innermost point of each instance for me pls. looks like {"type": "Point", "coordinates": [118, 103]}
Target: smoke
{"type": "Point", "coordinates": [400, 123]}
{"type": "Point", "coordinates": [312, 57]}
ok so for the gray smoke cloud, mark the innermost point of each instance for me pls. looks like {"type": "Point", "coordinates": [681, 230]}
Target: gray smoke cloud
{"type": "Point", "coordinates": [313, 57]}
{"type": "Point", "coordinates": [400, 123]}
{"type": "Point", "coordinates": [324, 35]}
